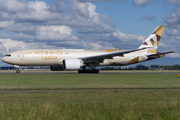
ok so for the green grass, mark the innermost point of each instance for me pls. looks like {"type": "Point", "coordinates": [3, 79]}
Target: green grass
{"type": "Point", "coordinates": [90, 105]}
{"type": "Point", "coordinates": [115, 105]}
{"type": "Point", "coordinates": [82, 81]}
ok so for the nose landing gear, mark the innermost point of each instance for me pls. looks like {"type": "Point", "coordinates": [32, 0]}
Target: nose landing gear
{"type": "Point", "coordinates": [17, 69]}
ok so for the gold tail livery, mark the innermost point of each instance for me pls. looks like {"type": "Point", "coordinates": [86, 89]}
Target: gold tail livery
{"type": "Point", "coordinates": [79, 59]}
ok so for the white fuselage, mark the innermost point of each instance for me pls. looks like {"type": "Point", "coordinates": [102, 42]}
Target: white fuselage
{"type": "Point", "coordinates": [54, 57]}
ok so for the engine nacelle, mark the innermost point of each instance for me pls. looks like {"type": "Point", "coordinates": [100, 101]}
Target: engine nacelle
{"type": "Point", "coordinates": [72, 64]}
{"type": "Point", "coordinates": [56, 68]}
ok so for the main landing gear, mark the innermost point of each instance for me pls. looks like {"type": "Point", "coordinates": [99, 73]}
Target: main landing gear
{"type": "Point", "coordinates": [93, 70]}
{"type": "Point", "coordinates": [88, 71]}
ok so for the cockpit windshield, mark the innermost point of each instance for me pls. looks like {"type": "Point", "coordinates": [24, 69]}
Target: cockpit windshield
{"type": "Point", "coordinates": [8, 55]}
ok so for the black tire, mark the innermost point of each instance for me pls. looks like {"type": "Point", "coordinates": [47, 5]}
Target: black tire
{"type": "Point", "coordinates": [97, 71]}
{"type": "Point", "coordinates": [88, 71]}
{"type": "Point", "coordinates": [18, 71]}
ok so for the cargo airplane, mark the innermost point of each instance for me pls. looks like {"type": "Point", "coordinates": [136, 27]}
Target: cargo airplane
{"type": "Point", "coordinates": [79, 59]}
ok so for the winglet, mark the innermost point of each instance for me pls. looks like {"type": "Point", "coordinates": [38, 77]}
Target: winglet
{"type": "Point", "coordinates": [153, 40]}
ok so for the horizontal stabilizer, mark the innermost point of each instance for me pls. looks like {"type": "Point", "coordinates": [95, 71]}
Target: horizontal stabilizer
{"type": "Point", "coordinates": [159, 54]}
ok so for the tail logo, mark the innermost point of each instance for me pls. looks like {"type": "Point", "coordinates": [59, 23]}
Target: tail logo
{"type": "Point", "coordinates": [153, 40]}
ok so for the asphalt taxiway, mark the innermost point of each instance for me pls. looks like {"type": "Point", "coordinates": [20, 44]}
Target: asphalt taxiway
{"type": "Point", "coordinates": [65, 73]}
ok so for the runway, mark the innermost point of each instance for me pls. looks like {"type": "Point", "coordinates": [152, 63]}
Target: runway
{"type": "Point", "coordinates": [73, 73]}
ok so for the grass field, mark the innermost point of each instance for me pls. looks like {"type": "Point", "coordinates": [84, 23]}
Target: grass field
{"type": "Point", "coordinates": [90, 105]}
{"type": "Point", "coordinates": [115, 105]}
{"type": "Point", "coordinates": [88, 81]}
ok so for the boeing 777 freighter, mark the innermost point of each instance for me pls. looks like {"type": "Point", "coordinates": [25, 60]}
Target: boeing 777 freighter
{"type": "Point", "coordinates": [79, 59]}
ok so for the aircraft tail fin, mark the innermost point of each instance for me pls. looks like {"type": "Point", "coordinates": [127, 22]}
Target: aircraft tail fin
{"type": "Point", "coordinates": [153, 40]}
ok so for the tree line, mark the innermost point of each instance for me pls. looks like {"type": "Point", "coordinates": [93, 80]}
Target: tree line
{"type": "Point", "coordinates": [138, 67]}
{"type": "Point", "coordinates": [166, 67]}
{"type": "Point", "coordinates": [142, 67]}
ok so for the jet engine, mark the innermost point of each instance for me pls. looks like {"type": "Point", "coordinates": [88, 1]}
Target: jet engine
{"type": "Point", "coordinates": [72, 64]}
{"type": "Point", "coordinates": [56, 68]}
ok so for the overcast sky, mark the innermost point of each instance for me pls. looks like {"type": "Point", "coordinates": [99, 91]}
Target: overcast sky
{"type": "Point", "coordinates": [88, 24]}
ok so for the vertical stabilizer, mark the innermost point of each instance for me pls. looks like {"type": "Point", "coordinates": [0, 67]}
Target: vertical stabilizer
{"type": "Point", "coordinates": [153, 40]}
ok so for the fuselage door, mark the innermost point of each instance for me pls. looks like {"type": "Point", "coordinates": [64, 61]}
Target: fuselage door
{"type": "Point", "coordinates": [21, 56]}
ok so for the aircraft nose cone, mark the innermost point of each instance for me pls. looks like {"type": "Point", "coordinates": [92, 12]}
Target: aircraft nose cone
{"type": "Point", "coordinates": [4, 59]}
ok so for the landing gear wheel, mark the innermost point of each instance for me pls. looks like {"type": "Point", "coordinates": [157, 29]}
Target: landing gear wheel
{"type": "Point", "coordinates": [80, 71]}
{"type": "Point", "coordinates": [17, 71]}
{"type": "Point", "coordinates": [96, 71]}
{"type": "Point", "coordinates": [88, 71]}
{"type": "Point", "coordinates": [93, 71]}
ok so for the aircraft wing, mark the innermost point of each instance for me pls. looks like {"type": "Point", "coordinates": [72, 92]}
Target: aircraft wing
{"type": "Point", "coordinates": [160, 54]}
{"type": "Point", "coordinates": [100, 58]}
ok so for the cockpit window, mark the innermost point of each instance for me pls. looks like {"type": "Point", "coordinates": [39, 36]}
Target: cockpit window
{"type": "Point", "coordinates": [8, 55]}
